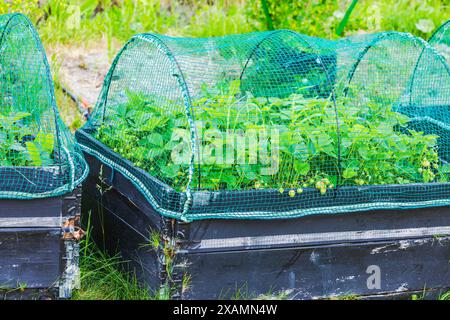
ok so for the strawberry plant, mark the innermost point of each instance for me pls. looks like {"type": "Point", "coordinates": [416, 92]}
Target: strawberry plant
{"type": "Point", "coordinates": [19, 146]}
{"type": "Point", "coordinates": [373, 145]}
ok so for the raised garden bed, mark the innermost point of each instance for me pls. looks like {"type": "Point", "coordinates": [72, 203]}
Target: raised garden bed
{"type": "Point", "coordinates": [359, 149]}
{"type": "Point", "coordinates": [314, 256]}
{"type": "Point", "coordinates": [231, 204]}
{"type": "Point", "coordinates": [317, 256]}
{"type": "Point", "coordinates": [40, 170]}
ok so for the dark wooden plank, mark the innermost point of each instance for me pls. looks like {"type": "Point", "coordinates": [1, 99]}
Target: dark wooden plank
{"type": "Point", "coordinates": [309, 271]}
{"type": "Point", "coordinates": [111, 202]}
{"type": "Point", "coordinates": [351, 227]}
{"type": "Point", "coordinates": [29, 294]}
{"type": "Point", "coordinates": [30, 256]}
{"type": "Point", "coordinates": [122, 186]}
{"type": "Point", "coordinates": [47, 207]}
{"type": "Point", "coordinates": [46, 212]}
{"type": "Point", "coordinates": [71, 203]}
{"type": "Point", "coordinates": [318, 272]}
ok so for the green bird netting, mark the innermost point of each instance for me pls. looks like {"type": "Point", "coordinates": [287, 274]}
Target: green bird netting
{"type": "Point", "coordinates": [441, 40]}
{"type": "Point", "coordinates": [276, 124]}
{"type": "Point", "coordinates": [38, 157]}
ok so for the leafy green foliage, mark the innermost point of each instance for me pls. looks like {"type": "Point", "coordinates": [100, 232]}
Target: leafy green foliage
{"type": "Point", "coordinates": [321, 18]}
{"type": "Point", "coordinates": [376, 146]}
{"type": "Point", "coordinates": [344, 21]}
{"type": "Point", "coordinates": [19, 146]}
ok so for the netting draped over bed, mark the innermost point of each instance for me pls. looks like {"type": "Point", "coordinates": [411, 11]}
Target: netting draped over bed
{"type": "Point", "coordinates": [38, 155]}
{"type": "Point", "coordinates": [276, 124]}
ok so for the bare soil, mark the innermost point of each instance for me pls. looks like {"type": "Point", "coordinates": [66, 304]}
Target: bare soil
{"type": "Point", "coordinates": [82, 69]}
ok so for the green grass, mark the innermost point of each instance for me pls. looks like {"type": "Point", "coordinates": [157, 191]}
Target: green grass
{"type": "Point", "coordinates": [102, 276]}
{"type": "Point", "coordinates": [102, 279]}
{"type": "Point", "coordinates": [322, 18]}
{"type": "Point", "coordinates": [445, 296]}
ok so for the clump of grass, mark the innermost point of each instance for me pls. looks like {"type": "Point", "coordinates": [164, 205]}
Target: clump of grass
{"type": "Point", "coordinates": [445, 296]}
{"type": "Point", "coordinates": [102, 277]}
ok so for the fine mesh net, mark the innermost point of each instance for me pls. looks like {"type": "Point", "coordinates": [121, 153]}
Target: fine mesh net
{"type": "Point", "coordinates": [37, 152]}
{"type": "Point", "coordinates": [441, 40]}
{"type": "Point", "coordinates": [276, 124]}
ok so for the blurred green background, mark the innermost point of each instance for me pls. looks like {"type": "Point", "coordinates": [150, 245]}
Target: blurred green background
{"type": "Point", "coordinates": [88, 20]}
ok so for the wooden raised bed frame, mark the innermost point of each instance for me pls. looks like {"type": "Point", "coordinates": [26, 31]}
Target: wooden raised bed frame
{"type": "Point", "coordinates": [316, 256]}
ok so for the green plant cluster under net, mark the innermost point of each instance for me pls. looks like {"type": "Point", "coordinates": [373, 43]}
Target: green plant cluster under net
{"type": "Point", "coordinates": [38, 157]}
{"type": "Point", "coordinates": [276, 124]}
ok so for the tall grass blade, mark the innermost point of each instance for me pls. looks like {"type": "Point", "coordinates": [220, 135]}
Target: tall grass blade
{"type": "Point", "coordinates": [269, 19]}
{"type": "Point", "coordinates": [344, 20]}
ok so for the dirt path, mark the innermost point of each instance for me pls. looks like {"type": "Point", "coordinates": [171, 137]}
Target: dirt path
{"type": "Point", "coordinates": [82, 70]}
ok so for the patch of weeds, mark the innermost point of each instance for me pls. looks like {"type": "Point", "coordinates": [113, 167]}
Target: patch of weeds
{"type": "Point", "coordinates": [103, 277]}
{"type": "Point", "coordinates": [20, 146]}
{"type": "Point", "coordinates": [445, 296]}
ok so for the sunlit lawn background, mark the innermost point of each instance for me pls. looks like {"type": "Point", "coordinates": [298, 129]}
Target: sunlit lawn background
{"type": "Point", "coordinates": [86, 21]}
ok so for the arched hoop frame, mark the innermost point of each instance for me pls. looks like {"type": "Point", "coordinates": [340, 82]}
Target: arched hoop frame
{"type": "Point", "coordinates": [13, 21]}
{"type": "Point", "coordinates": [178, 74]}
{"type": "Point", "coordinates": [442, 29]}
{"type": "Point", "coordinates": [303, 40]}
{"type": "Point", "coordinates": [386, 35]}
